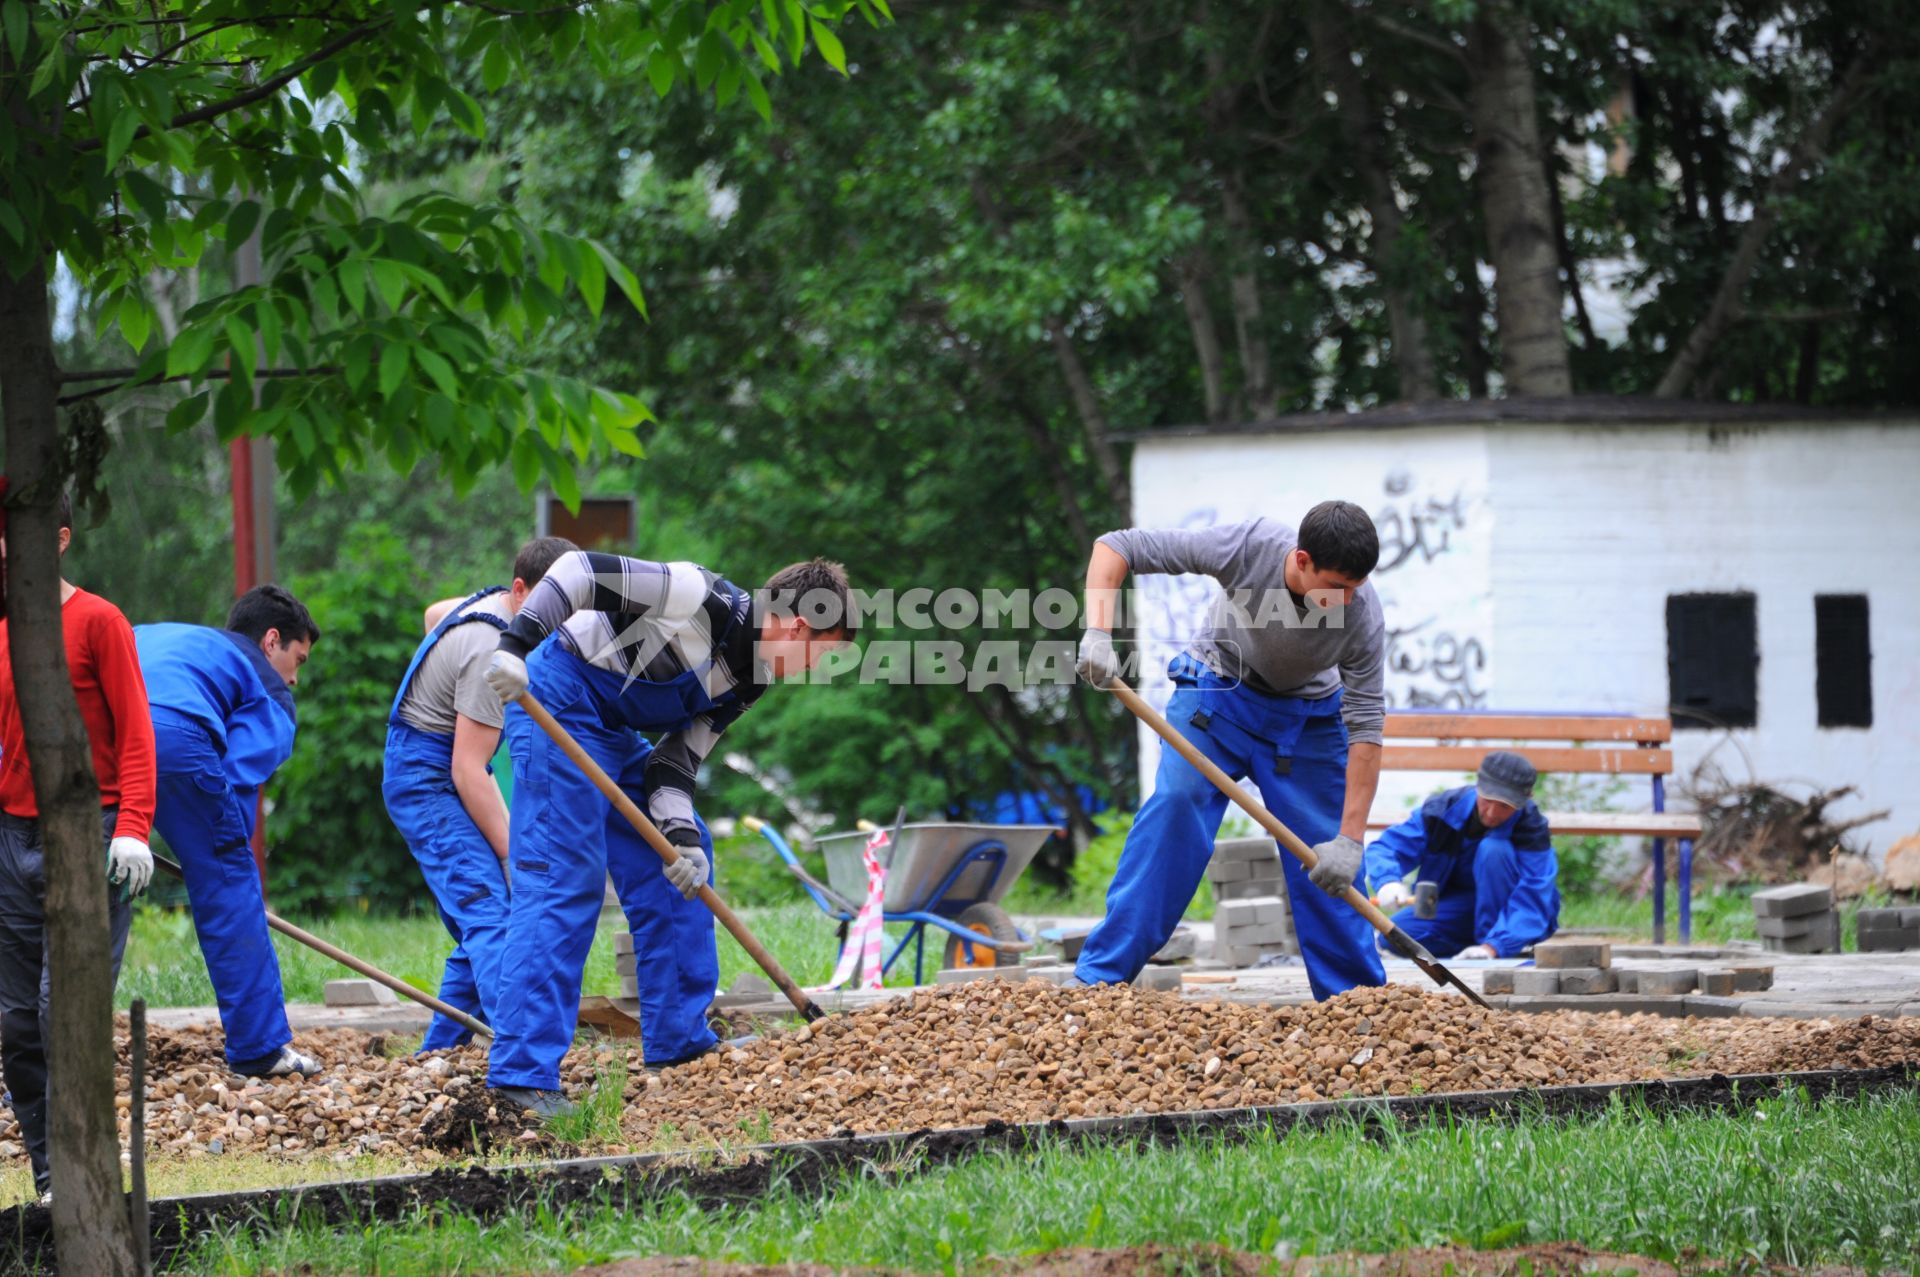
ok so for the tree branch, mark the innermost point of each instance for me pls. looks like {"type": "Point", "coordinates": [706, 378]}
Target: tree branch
{"type": "Point", "coordinates": [265, 89]}
{"type": "Point", "coordinates": [1418, 36]}
{"type": "Point", "coordinates": [215, 374]}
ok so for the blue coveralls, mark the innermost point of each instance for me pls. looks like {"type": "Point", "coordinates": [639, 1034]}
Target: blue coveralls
{"type": "Point", "coordinates": [455, 857]}
{"type": "Point", "coordinates": [565, 838]}
{"type": "Point", "coordinates": [1296, 752]}
{"type": "Point", "coordinates": [1498, 889]}
{"type": "Point", "coordinates": [223, 722]}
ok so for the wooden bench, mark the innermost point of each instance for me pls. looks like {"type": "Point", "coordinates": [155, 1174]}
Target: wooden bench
{"type": "Point", "coordinates": [1586, 744]}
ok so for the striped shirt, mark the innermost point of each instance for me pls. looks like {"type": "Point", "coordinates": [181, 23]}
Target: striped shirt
{"type": "Point", "coordinates": [652, 622]}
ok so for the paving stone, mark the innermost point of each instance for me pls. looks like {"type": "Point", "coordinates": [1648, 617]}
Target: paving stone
{"type": "Point", "coordinates": [1752, 979]}
{"type": "Point", "coordinates": [623, 942]}
{"type": "Point", "coordinates": [1799, 944]}
{"type": "Point", "coordinates": [1626, 980]}
{"type": "Point", "coordinates": [1601, 1004]}
{"type": "Point", "coordinates": [962, 975]}
{"type": "Point", "coordinates": [1050, 975]}
{"type": "Point", "coordinates": [1535, 982]}
{"type": "Point", "coordinates": [1717, 984]}
{"type": "Point", "coordinates": [1792, 900]}
{"type": "Point", "coordinates": [1229, 870]}
{"type": "Point", "coordinates": [1895, 941]}
{"type": "Point", "coordinates": [1250, 849]}
{"type": "Point", "coordinates": [1879, 919]}
{"type": "Point", "coordinates": [1183, 943]}
{"type": "Point", "coordinates": [1786, 928]}
{"type": "Point", "coordinates": [1562, 955]}
{"type": "Point", "coordinates": [357, 993]}
{"type": "Point", "coordinates": [1586, 980]}
{"type": "Point", "coordinates": [1248, 889]}
{"type": "Point", "coordinates": [1910, 917]}
{"type": "Point", "coordinates": [1258, 933]}
{"type": "Point", "coordinates": [1160, 978]}
{"type": "Point", "coordinates": [1236, 913]}
{"type": "Point", "coordinates": [1070, 942]}
{"type": "Point", "coordinates": [1497, 980]}
{"type": "Point", "coordinates": [1668, 982]}
{"type": "Point", "coordinates": [625, 964]}
{"type": "Point", "coordinates": [1707, 1008]}
{"type": "Point", "coordinates": [1236, 955]}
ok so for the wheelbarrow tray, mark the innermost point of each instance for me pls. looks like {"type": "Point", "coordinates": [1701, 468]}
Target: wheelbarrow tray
{"type": "Point", "coordinates": [925, 855]}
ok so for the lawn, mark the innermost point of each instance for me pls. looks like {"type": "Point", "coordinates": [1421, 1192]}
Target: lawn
{"type": "Point", "coordinates": [1786, 1183]}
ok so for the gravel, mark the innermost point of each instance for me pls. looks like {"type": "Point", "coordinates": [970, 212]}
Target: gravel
{"type": "Point", "coordinates": [965, 1055]}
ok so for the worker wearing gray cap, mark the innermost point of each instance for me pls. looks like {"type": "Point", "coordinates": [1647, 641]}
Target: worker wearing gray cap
{"type": "Point", "coordinates": [1486, 848]}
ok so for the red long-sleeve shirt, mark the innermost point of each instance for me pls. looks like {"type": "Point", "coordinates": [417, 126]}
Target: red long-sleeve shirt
{"type": "Point", "coordinates": [113, 702]}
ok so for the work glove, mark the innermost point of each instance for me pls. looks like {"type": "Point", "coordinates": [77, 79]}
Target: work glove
{"type": "Point", "coordinates": [1339, 865]}
{"type": "Point", "coordinates": [689, 873]}
{"type": "Point", "coordinates": [1394, 896]}
{"type": "Point", "coordinates": [1477, 951]}
{"type": "Point", "coordinates": [1096, 662]}
{"type": "Point", "coordinates": [130, 864]}
{"type": "Point", "coordinates": [507, 676]}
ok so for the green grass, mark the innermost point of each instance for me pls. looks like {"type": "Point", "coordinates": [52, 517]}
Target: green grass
{"type": "Point", "coordinates": [1719, 915]}
{"type": "Point", "coordinates": [1788, 1183]}
{"type": "Point", "coordinates": [164, 966]}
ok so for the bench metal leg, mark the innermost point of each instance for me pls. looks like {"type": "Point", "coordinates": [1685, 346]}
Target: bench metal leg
{"type": "Point", "coordinates": [1660, 891]}
{"type": "Point", "coordinates": [1686, 890]}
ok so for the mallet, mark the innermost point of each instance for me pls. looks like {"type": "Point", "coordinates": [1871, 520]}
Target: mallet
{"type": "Point", "coordinates": [1402, 943]}
{"type": "Point", "coordinates": [658, 841]}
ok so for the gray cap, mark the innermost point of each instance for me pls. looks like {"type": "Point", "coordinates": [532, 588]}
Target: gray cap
{"type": "Point", "coordinates": [1507, 778]}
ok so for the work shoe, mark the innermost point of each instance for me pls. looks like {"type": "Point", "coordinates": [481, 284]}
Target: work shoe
{"type": "Point", "coordinates": [287, 1063]}
{"type": "Point", "coordinates": [542, 1104]}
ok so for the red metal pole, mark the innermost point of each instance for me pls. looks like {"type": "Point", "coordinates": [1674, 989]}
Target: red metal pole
{"type": "Point", "coordinates": [246, 572]}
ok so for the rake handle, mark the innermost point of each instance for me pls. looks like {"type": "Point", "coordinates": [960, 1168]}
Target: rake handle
{"type": "Point", "coordinates": [805, 1005]}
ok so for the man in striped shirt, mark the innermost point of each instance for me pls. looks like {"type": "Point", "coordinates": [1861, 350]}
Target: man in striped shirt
{"type": "Point", "coordinates": [615, 647]}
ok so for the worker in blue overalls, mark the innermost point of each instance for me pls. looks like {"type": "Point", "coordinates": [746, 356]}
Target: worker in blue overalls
{"type": "Point", "coordinates": [223, 723]}
{"type": "Point", "coordinates": [615, 647]}
{"type": "Point", "coordinates": [1486, 847]}
{"type": "Point", "coordinates": [1285, 687]}
{"type": "Point", "coordinates": [438, 784]}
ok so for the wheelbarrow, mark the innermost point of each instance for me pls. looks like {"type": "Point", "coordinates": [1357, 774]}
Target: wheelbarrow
{"type": "Point", "coordinates": [949, 876]}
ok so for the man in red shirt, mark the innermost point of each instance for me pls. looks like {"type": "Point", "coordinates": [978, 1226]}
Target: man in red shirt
{"type": "Point", "coordinates": [113, 704]}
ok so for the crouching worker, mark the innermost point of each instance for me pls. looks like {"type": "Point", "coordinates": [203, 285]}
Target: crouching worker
{"type": "Point", "coordinates": [439, 788]}
{"type": "Point", "coordinates": [105, 672]}
{"type": "Point", "coordinates": [223, 724]}
{"type": "Point", "coordinates": [1486, 846]}
{"type": "Point", "coordinates": [635, 647]}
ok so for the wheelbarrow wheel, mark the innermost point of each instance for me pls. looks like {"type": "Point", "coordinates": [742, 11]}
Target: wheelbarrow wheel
{"type": "Point", "coordinates": [988, 920]}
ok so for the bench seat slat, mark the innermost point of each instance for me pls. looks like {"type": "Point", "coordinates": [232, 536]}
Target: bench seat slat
{"type": "Point", "coordinates": [1607, 824]}
{"type": "Point", "coordinates": [1466, 758]}
{"type": "Point", "coordinates": [1404, 724]}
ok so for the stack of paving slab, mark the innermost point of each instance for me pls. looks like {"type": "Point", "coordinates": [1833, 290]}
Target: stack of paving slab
{"type": "Point", "coordinates": [1578, 969]}
{"type": "Point", "coordinates": [1251, 916]}
{"type": "Point", "coordinates": [1797, 918]}
{"type": "Point", "coordinates": [1888, 930]}
{"type": "Point", "coordinates": [624, 966]}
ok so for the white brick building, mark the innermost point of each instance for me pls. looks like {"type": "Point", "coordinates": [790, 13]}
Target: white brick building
{"type": "Point", "coordinates": [1759, 568]}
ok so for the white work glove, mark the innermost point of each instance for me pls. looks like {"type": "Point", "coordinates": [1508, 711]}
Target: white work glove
{"type": "Point", "coordinates": [1096, 662]}
{"type": "Point", "coordinates": [129, 863]}
{"type": "Point", "coordinates": [689, 873]}
{"type": "Point", "coordinates": [1394, 895]}
{"type": "Point", "coordinates": [1339, 865]}
{"type": "Point", "coordinates": [507, 676]}
{"type": "Point", "coordinates": [1477, 951]}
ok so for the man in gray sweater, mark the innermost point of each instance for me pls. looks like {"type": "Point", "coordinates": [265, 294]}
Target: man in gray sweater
{"type": "Point", "coordinates": [1285, 687]}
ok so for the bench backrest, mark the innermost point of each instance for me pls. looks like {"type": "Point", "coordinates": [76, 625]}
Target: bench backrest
{"type": "Point", "coordinates": [1626, 745]}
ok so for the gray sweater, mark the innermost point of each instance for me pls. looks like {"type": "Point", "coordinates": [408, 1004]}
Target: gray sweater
{"type": "Point", "coordinates": [1256, 633]}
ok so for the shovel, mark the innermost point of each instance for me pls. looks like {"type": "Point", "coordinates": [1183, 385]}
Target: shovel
{"type": "Point", "coordinates": [1399, 941]}
{"type": "Point", "coordinates": [808, 1009]}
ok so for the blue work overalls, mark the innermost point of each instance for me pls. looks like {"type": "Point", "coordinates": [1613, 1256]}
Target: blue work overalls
{"type": "Point", "coordinates": [455, 857]}
{"type": "Point", "coordinates": [223, 722]}
{"type": "Point", "coordinates": [565, 838]}
{"type": "Point", "coordinates": [1499, 889]}
{"type": "Point", "coordinates": [1296, 753]}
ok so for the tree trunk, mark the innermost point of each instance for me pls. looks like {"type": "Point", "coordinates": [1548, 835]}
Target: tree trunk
{"type": "Point", "coordinates": [1724, 309]}
{"type": "Point", "coordinates": [1518, 210]}
{"type": "Point", "coordinates": [1086, 403]}
{"type": "Point", "coordinates": [92, 1232]}
{"type": "Point", "coordinates": [1206, 340]}
{"type": "Point", "coordinates": [1360, 127]}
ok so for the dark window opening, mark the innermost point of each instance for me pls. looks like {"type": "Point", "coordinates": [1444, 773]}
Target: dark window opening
{"type": "Point", "coordinates": [1842, 660]}
{"type": "Point", "coordinates": [1713, 661]}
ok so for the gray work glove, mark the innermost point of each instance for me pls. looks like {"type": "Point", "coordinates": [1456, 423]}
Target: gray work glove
{"type": "Point", "coordinates": [1339, 865]}
{"type": "Point", "coordinates": [506, 674]}
{"type": "Point", "coordinates": [129, 864]}
{"type": "Point", "coordinates": [1096, 662]}
{"type": "Point", "coordinates": [689, 873]}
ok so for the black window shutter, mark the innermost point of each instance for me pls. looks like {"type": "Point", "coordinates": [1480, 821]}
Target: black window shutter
{"type": "Point", "coordinates": [1713, 660]}
{"type": "Point", "coordinates": [1842, 660]}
